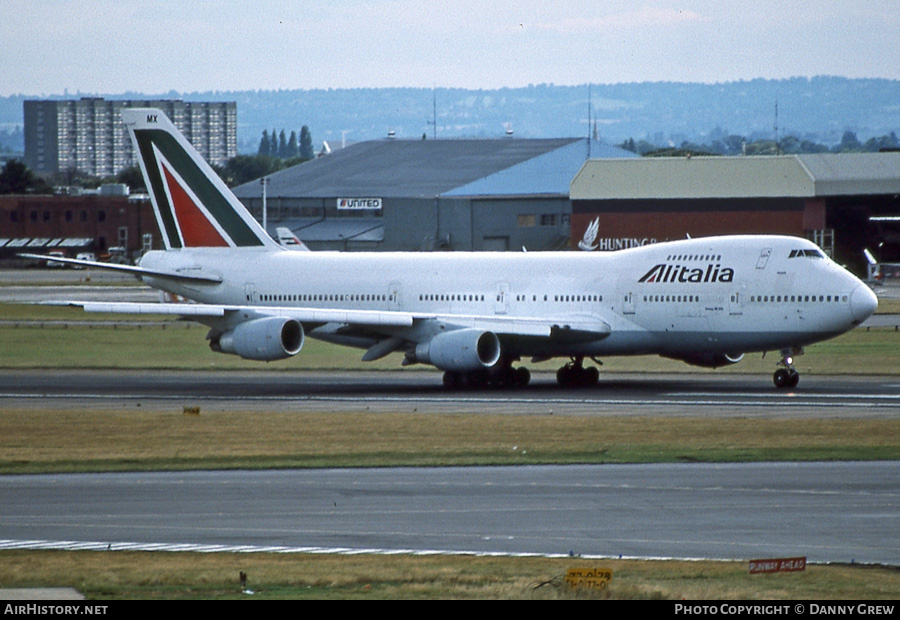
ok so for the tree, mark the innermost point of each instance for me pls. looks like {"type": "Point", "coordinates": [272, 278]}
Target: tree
{"type": "Point", "coordinates": [131, 177]}
{"type": "Point", "coordinates": [849, 142]}
{"type": "Point", "coordinates": [873, 145]}
{"type": "Point", "coordinates": [790, 145]}
{"type": "Point", "coordinates": [293, 148]}
{"type": "Point", "coordinates": [265, 146]}
{"type": "Point", "coordinates": [282, 145]}
{"type": "Point", "coordinates": [245, 168]}
{"type": "Point", "coordinates": [306, 147]}
{"type": "Point", "coordinates": [629, 145]}
{"type": "Point", "coordinates": [16, 178]}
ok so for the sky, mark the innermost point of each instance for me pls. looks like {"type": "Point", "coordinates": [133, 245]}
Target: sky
{"type": "Point", "coordinates": [52, 47]}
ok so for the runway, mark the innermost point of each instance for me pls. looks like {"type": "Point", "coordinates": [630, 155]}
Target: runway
{"type": "Point", "coordinates": [828, 512]}
{"type": "Point", "coordinates": [618, 394]}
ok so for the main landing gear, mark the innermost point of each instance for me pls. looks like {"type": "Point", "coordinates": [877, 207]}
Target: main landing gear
{"type": "Point", "coordinates": [787, 377]}
{"type": "Point", "coordinates": [504, 377]}
{"type": "Point", "coordinates": [574, 374]}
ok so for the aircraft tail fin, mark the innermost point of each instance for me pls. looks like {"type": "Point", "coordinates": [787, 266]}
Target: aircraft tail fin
{"type": "Point", "coordinates": [193, 206]}
{"type": "Point", "coordinates": [289, 240]}
{"type": "Point", "coordinates": [874, 269]}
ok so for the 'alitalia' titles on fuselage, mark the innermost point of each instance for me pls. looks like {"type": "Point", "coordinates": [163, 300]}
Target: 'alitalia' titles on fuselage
{"type": "Point", "coordinates": [682, 273]}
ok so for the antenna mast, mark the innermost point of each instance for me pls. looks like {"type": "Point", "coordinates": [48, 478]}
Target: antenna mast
{"type": "Point", "coordinates": [777, 147]}
{"type": "Point", "coordinates": [433, 122]}
{"type": "Point", "coordinates": [590, 112]}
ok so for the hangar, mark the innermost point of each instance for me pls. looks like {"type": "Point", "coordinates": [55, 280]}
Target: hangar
{"type": "Point", "coordinates": [843, 202]}
{"type": "Point", "coordinates": [412, 195]}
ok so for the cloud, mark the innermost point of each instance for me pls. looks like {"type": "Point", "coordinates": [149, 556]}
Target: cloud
{"type": "Point", "coordinates": [647, 17]}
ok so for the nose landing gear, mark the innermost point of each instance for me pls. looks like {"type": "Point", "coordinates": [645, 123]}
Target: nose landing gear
{"type": "Point", "coordinates": [787, 377]}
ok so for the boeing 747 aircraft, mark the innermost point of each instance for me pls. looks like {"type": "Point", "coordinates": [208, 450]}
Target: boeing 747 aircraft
{"type": "Point", "coordinates": [705, 301]}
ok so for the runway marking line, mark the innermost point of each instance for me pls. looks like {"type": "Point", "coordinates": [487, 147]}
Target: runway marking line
{"type": "Point", "coordinates": [753, 400]}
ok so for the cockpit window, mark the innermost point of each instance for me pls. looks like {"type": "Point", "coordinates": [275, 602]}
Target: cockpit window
{"type": "Point", "coordinates": [807, 253]}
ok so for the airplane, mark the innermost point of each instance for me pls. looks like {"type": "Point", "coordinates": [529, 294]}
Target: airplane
{"type": "Point", "coordinates": [474, 315]}
{"type": "Point", "coordinates": [289, 240]}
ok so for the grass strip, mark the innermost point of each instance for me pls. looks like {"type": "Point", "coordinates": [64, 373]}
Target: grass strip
{"type": "Point", "coordinates": [141, 439]}
{"type": "Point", "coordinates": [144, 575]}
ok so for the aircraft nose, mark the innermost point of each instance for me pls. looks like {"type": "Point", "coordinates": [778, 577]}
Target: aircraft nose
{"type": "Point", "coordinates": [863, 303]}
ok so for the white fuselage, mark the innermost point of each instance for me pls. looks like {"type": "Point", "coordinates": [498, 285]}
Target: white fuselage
{"type": "Point", "coordinates": [721, 294]}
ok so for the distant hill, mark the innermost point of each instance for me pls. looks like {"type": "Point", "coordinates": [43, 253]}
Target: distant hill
{"type": "Point", "coordinates": [819, 109]}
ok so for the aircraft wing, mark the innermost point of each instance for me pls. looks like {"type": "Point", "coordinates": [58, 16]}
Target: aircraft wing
{"type": "Point", "coordinates": [196, 311]}
{"type": "Point", "coordinates": [572, 329]}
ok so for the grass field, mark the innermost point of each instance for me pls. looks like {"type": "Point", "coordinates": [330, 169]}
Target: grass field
{"type": "Point", "coordinates": [130, 438]}
{"type": "Point", "coordinates": [137, 575]}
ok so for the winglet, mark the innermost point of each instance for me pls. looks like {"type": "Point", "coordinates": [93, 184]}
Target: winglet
{"type": "Point", "coordinates": [193, 206]}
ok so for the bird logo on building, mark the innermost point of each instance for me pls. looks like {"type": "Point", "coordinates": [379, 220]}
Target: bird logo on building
{"type": "Point", "coordinates": [589, 242]}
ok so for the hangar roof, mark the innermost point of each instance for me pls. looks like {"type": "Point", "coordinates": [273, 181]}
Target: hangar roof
{"type": "Point", "coordinates": [430, 168]}
{"type": "Point", "coordinates": [801, 176]}
{"type": "Point", "coordinates": [548, 173]}
{"type": "Point", "coordinates": [854, 173]}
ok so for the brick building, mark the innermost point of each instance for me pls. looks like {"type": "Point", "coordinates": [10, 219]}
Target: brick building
{"type": "Point", "coordinates": [71, 224]}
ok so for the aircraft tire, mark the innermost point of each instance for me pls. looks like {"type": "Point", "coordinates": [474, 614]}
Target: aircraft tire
{"type": "Point", "coordinates": [522, 376]}
{"type": "Point", "coordinates": [452, 380]}
{"type": "Point", "coordinates": [786, 378]}
{"type": "Point", "coordinates": [780, 378]}
{"type": "Point", "coordinates": [476, 380]}
{"type": "Point", "coordinates": [577, 376]}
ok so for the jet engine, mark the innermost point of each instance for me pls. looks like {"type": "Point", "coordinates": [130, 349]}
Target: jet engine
{"type": "Point", "coordinates": [461, 350]}
{"type": "Point", "coordinates": [267, 339]}
{"type": "Point", "coordinates": [711, 360]}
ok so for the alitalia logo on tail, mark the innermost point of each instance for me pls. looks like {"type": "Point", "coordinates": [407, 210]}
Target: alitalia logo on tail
{"type": "Point", "coordinates": [196, 227]}
{"type": "Point", "coordinates": [684, 273]}
{"type": "Point", "coordinates": [193, 206]}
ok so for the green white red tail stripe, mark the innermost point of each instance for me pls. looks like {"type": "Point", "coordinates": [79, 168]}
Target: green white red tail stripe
{"type": "Point", "coordinates": [196, 227]}
{"type": "Point", "coordinates": [194, 208]}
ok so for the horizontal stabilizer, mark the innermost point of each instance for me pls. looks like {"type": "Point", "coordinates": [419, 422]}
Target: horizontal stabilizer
{"type": "Point", "coordinates": [132, 269]}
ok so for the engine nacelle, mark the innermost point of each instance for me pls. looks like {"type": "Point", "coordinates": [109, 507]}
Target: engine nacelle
{"type": "Point", "coordinates": [268, 339]}
{"type": "Point", "coordinates": [712, 360]}
{"type": "Point", "coordinates": [461, 350]}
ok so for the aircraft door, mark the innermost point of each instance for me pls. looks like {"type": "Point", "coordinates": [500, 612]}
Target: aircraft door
{"type": "Point", "coordinates": [763, 258]}
{"type": "Point", "coordinates": [736, 303]}
{"type": "Point", "coordinates": [395, 296]}
{"type": "Point", "coordinates": [250, 292]}
{"type": "Point", "coordinates": [501, 301]}
{"type": "Point", "coordinates": [628, 304]}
